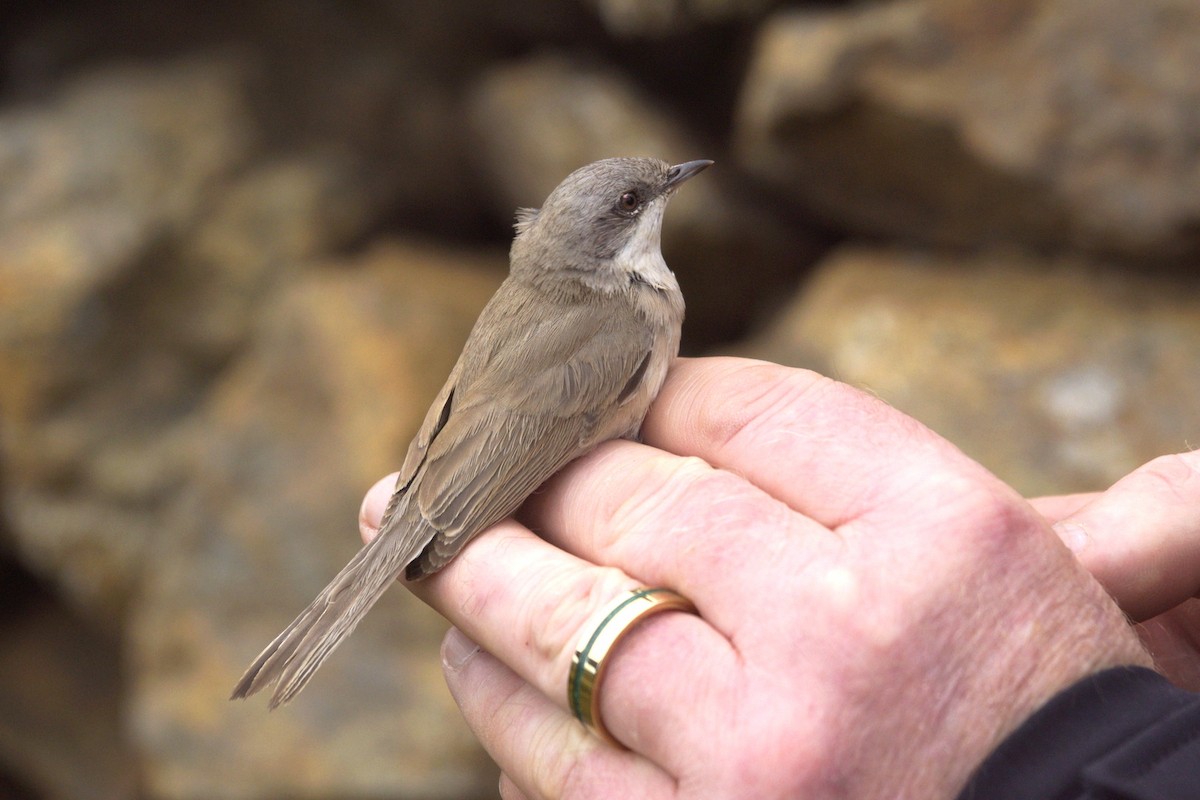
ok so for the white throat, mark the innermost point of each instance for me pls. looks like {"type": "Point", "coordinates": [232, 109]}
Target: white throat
{"type": "Point", "coordinates": [642, 255]}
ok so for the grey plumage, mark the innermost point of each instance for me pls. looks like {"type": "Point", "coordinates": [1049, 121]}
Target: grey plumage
{"type": "Point", "coordinates": [567, 354]}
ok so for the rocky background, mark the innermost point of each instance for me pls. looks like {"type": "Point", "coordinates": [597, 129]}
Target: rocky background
{"type": "Point", "coordinates": [242, 243]}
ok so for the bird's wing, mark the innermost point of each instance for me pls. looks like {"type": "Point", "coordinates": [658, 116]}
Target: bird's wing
{"type": "Point", "coordinates": [502, 438]}
{"type": "Point", "coordinates": [435, 419]}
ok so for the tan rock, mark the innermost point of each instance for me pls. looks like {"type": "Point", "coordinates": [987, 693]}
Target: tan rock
{"type": "Point", "coordinates": [99, 182]}
{"type": "Point", "coordinates": [343, 365]}
{"type": "Point", "coordinates": [1065, 123]}
{"type": "Point", "coordinates": [1059, 376]}
{"type": "Point", "coordinates": [129, 283]}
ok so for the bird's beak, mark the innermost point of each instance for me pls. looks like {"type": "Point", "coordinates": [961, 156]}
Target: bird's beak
{"type": "Point", "coordinates": [681, 172]}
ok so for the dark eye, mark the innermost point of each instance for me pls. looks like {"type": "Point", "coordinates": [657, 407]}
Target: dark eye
{"type": "Point", "coordinates": [629, 202]}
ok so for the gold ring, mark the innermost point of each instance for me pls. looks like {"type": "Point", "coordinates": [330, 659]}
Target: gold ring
{"type": "Point", "coordinates": [608, 626]}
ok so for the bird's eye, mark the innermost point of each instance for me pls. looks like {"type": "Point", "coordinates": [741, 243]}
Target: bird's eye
{"type": "Point", "coordinates": [629, 202]}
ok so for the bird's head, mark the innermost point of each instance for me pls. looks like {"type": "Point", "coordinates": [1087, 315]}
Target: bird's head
{"type": "Point", "coordinates": [604, 218]}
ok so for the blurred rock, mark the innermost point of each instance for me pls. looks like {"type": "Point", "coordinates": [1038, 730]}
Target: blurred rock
{"type": "Point", "coordinates": [662, 17]}
{"type": "Point", "coordinates": [197, 383]}
{"type": "Point", "coordinates": [136, 245]}
{"type": "Point", "coordinates": [1059, 376]}
{"type": "Point", "coordinates": [540, 119]}
{"type": "Point", "coordinates": [363, 79]}
{"type": "Point", "coordinates": [343, 365]}
{"type": "Point", "coordinates": [1069, 123]}
{"type": "Point", "coordinates": [60, 700]}
{"type": "Point", "coordinates": [100, 182]}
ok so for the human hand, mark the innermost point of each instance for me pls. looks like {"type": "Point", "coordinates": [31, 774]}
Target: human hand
{"type": "Point", "coordinates": [876, 610]}
{"type": "Point", "coordinates": [1141, 540]}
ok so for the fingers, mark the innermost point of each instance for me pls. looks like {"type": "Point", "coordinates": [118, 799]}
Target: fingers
{"type": "Point", "coordinates": [543, 751]}
{"type": "Point", "coordinates": [771, 441]}
{"type": "Point", "coordinates": [373, 505]}
{"type": "Point", "coordinates": [714, 516]}
{"type": "Point", "coordinates": [855, 452]}
{"type": "Point", "coordinates": [1056, 507]}
{"type": "Point", "coordinates": [678, 522]}
{"type": "Point", "coordinates": [528, 603]}
{"type": "Point", "coordinates": [1141, 538]}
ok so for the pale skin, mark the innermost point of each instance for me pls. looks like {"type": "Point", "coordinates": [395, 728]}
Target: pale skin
{"type": "Point", "coordinates": [877, 611]}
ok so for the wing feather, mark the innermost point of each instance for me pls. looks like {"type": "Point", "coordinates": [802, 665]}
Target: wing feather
{"type": "Point", "coordinates": [504, 438]}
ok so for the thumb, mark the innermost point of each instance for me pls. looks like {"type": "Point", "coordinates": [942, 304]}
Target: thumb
{"type": "Point", "coordinates": [373, 505]}
{"type": "Point", "coordinates": [1141, 538]}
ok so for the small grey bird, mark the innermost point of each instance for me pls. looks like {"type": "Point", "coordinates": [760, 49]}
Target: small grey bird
{"type": "Point", "coordinates": [568, 353]}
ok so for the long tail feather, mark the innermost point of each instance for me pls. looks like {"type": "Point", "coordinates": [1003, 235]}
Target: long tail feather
{"type": "Point", "coordinates": [296, 653]}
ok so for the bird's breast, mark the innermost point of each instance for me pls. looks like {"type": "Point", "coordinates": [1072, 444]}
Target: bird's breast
{"type": "Point", "coordinates": [661, 310]}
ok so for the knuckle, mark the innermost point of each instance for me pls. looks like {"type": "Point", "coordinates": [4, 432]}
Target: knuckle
{"type": "Point", "coordinates": [986, 510]}
{"type": "Point", "coordinates": [692, 495]}
{"type": "Point", "coordinates": [555, 769]}
{"type": "Point", "coordinates": [764, 392]}
{"type": "Point", "coordinates": [661, 487]}
{"type": "Point", "coordinates": [995, 516]}
{"type": "Point", "coordinates": [560, 607]}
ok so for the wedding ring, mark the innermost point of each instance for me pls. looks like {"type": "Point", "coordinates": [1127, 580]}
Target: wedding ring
{"type": "Point", "coordinates": [607, 627]}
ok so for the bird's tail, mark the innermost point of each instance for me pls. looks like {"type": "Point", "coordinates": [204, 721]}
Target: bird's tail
{"type": "Point", "coordinates": [294, 656]}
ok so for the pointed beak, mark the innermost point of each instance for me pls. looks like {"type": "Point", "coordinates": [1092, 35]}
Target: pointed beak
{"type": "Point", "coordinates": [681, 172]}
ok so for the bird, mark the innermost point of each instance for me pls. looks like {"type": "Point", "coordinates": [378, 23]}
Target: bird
{"type": "Point", "coordinates": [568, 353]}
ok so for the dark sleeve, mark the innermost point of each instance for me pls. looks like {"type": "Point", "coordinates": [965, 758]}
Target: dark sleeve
{"type": "Point", "coordinates": [1122, 734]}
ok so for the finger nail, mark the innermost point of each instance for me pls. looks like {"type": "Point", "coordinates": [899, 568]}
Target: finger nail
{"type": "Point", "coordinates": [373, 505]}
{"type": "Point", "coordinates": [1073, 535]}
{"type": "Point", "coordinates": [457, 650]}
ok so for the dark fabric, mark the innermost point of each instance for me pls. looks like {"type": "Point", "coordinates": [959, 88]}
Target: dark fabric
{"type": "Point", "coordinates": [1122, 734]}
